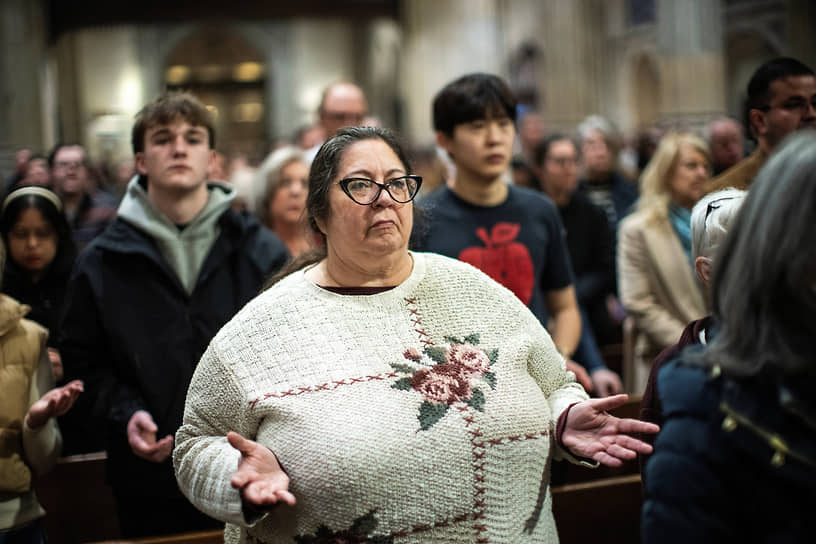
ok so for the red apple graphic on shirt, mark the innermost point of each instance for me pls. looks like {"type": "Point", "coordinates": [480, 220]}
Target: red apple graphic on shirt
{"type": "Point", "coordinates": [503, 259]}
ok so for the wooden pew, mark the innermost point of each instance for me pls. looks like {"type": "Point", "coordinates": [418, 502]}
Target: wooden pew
{"type": "Point", "coordinates": [202, 537]}
{"type": "Point", "coordinates": [605, 510]}
{"type": "Point", "coordinates": [78, 503]}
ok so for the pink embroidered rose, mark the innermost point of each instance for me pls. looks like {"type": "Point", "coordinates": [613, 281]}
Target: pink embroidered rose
{"type": "Point", "coordinates": [413, 354]}
{"type": "Point", "coordinates": [442, 384]}
{"type": "Point", "coordinates": [474, 360]}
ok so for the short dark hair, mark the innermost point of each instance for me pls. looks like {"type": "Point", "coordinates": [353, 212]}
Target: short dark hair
{"type": "Point", "coordinates": [167, 108]}
{"type": "Point", "coordinates": [759, 86]}
{"type": "Point", "coordinates": [471, 97]}
{"type": "Point", "coordinates": [543, 147]}
{"type": "Point", "coordinates": [764, 297]}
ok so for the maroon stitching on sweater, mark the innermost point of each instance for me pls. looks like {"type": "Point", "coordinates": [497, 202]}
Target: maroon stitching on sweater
{"type": "Point", "coordinates": [421, 528]}
{"type": "Point", "coordinates": [507, 439]}
{"type": "Point", "coordinates": [321, 387]}
{"type": "Point", "coordinates": [413, 313]}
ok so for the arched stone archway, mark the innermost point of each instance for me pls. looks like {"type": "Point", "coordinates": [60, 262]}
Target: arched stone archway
{"type": "Point", "coordinates": [229, 74]}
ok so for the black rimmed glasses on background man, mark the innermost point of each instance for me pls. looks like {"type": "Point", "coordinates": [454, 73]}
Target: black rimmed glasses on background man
{"type": "Point", "coordinates": [794, 104]}
{"type": "Point", "coordinates": [365, 191]}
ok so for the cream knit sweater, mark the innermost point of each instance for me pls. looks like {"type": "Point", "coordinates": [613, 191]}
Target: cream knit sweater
{"type": "Point", "coordinates": [422, 414]}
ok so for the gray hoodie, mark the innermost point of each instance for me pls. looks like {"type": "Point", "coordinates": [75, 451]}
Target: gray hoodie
{"type": "Point", "coordinates": [184, 250]}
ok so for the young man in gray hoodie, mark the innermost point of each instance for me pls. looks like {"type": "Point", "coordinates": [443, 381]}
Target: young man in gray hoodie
{"type": "Point", "coordinates": [144, 301]}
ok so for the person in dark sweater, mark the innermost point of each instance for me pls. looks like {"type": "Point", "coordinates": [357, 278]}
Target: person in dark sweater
{"type": "Point", "coordinates": [591, 246]}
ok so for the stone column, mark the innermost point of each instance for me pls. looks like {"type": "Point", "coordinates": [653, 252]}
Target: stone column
{"type": "Point", "coordinates": [444, 40]}
{"type": "Point", "coordinates": [24, 79]}
{"type": "Point", "coordinates": [692, 61]}
{"type": "Point", "coordinates": [801, 21]}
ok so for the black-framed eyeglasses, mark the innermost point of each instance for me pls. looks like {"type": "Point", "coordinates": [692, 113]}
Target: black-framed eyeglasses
{"type": "Point", "coordinates": [715, 204]}
{"type": "Point", "coordinates": [799, 105]}
{"type": "Point", "coordinates": [365, 191]}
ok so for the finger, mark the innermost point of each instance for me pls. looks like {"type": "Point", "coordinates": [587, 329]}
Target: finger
{"type": "Point", "coordinates": [629, 425]}
{"type": "Point", "coordinates": [240, 443]}
{"type": "Point", "coordinates": [634, 444]}
{"type": "Point", "coordinates": [286, 496]}
{"type": "Point", "coordinates": [606, 459]}
{"type": "Point", "coordinates": [239, 479]}
{"type": "Point", "coordinates": [609, 403]}
{"type": "Point", "coordinates": [616, 450]}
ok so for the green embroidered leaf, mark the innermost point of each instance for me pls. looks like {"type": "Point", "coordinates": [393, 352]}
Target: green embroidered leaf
{"type": "Point", "coordinates": [381, 540]}
{"type": "Point", "coordinates": [452, 340]}
{"type": "Point", "coordinates": [365, 524]}
{"type": "Point", "coordinates": [403, 384]}
{"type": "Point", "coordinates": [399, 367]}
{"type": "Point", "coordinates": [430, 413]}
{"type": "Point", "coordinates": [436, 353]}
{"type": "Point", "coordinates": [493, 355]}
{"type": "Point", "coordinates": [490, 378]}
{"type": "Point", "coordinates": [472, 339]}
{"type": "Point", "coordinates": [323, 531]}
{"type": "Point", "coordinates": [477, 400]}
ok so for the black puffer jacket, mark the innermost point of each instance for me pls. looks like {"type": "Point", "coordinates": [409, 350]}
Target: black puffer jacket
{"type": "Point", "coordinates": [734, 462]}
{"type": "Point", "coordinates": [134, 335]}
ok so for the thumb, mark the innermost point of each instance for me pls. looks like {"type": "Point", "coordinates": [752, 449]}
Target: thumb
{"type": "Point", "coordinates": [145, 422]}
{"type": "Point", "coordinates": [239, 442]}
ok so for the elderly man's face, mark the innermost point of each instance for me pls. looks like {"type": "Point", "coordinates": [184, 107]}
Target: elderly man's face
{"type": "Point", "coordinates": [344, 106]}
{"type": "Point", "coordinates": [726, 143]}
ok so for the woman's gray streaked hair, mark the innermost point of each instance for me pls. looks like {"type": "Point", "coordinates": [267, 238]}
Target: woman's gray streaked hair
{"type": "Point", "coordinates": [268, 178]}
{"type": "Point", "coordinates": [709, 226]}
{"type": "Point", "coordinates": [764, 296]}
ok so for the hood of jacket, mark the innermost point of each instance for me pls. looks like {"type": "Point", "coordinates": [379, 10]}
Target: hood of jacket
{"type": "Point", "coordinates": [184, 249]}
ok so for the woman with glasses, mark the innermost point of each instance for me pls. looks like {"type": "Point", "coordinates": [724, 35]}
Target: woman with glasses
{"type": "Point", "coordinates": [736, 459]}
{"type": "Point", "coordinates": [382, 395]}
{"type": "Point", "coordinates": [655, 271]}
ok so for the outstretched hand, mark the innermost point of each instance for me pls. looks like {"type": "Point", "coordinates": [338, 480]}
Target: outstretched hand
{"type": "Point", "coordinates": [52, 404]}
{"type": "Point", "coordinates": [141, 433]}
{"type": "Point", "coordinates": [593, 433]}
{"type": "Point", "coordinates": [260, 478]}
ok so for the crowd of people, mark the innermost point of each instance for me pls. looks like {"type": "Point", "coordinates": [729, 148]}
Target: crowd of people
{"type": "Point", "coordinates": [341, 345]}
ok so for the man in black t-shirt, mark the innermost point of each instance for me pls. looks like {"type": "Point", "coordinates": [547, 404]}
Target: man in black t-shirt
{"type": "Point", "coordinates": [512, 234]}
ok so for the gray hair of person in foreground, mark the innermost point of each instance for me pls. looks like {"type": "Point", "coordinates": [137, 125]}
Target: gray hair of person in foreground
{"type": "Point", "coordinates": [765, 283]}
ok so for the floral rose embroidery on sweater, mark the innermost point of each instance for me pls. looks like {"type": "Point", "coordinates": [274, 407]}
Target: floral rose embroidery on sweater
{"type": "Point", "coordinates": [456, 372]}
{"type": "Point", "coordinates": [359, 531]}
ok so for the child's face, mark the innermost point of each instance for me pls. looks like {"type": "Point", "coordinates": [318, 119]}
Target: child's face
{"type": "Point", "coordinates": [482, 148]}
{"type": "Point", "coordinates": [32, 241]}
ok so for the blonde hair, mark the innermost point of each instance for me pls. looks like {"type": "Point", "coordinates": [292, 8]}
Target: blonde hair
{"type": "Point", "coordinates": [268, 178]}
{"type": "Point", "coordinates": [654, 182]}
